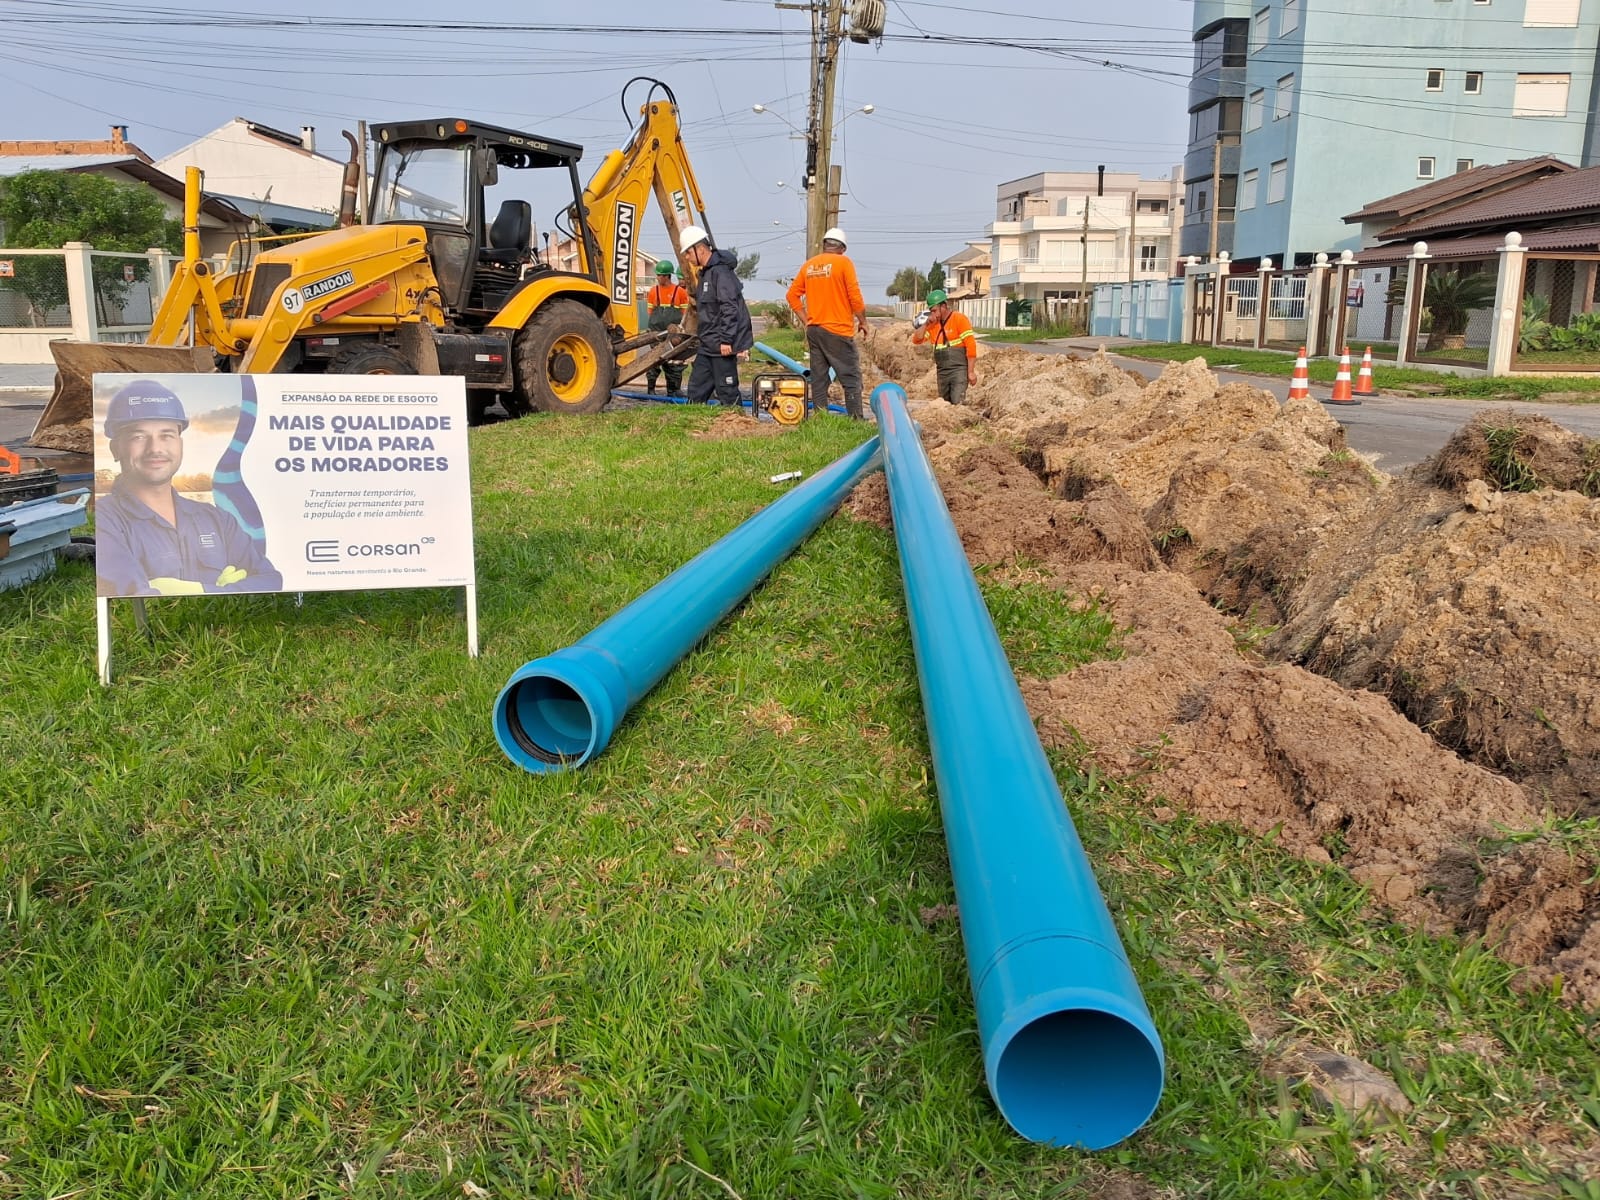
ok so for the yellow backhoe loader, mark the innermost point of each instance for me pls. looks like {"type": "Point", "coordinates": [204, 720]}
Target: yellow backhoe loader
{"type": "Point", "coordinates": [430, 284]}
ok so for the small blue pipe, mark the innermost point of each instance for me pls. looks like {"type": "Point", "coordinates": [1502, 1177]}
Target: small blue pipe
{"type": "Point", "coordinates": [560, 711]}
{"type": "Point", "coordinates": [624, 394]}
{"type": "Point", "coordinates": [783, 360]}
{"type": "Point", "coordinates": [1070, 1052]}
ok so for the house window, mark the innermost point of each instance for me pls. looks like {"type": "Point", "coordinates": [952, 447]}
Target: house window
{"type": "Point", "coordinates": [1283, 98]}
{"type": "Point", "coordinates": [1473, 85]}
{"type": "Point", "coordinates": [1260, 29]}
{"type": "Point", "coordinates": [1147, 256]}
{"type": "Point", "coordinates": [1200, 199]}
{"type": "Point", "coordinates": [1463, 164]}
{"type": "Point", "coordinates": [1278, 181]}
{"type": "Point", "coordinates": [1435, 80]}
{"type": "Point", "coordinates": [1425, 168]}
{"type": "Point", "coordinates": [1289, 17]}
{"type": "Point", "coordinates": [1255, 109]}
{"type": "Point", "coordinates": [1247, 188]}
{"type": "Point", "coordinates": [1541, 95]}
{"type": "Point", "coordinates": [1551, 14]}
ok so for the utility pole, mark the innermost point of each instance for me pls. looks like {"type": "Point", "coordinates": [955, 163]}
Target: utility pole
{"type": "Point", "coordinates": [835, 191]}
{"type": "Point", "coordinates": [827, 32]}
{"type": "Point", "coordinates": [1083, 239]}
{"type": "Point", "coordinates": [1216, 193]}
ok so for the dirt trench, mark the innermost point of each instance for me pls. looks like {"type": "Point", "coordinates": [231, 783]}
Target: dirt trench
{"type": "Point", "coordinates": [1395, 674]}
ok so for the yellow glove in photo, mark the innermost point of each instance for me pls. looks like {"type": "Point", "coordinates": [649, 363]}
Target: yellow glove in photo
{"type": "Point", "coordinates": [230, 575]}
{"type": "Point", "coordinates": [168, 586]}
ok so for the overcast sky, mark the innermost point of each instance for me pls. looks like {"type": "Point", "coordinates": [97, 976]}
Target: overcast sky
{"type": "Point", "coordinates": [964, 99]}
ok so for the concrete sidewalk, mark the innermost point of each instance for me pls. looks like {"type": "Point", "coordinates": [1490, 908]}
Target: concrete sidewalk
{"type": "Point", "coordinates": [27, 377]}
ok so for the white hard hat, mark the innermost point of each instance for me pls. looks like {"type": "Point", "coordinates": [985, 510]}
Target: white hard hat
{"type": "Point", "coordinates": [691, 235]}
{"type": "Point", "coordinates": [836, 235]}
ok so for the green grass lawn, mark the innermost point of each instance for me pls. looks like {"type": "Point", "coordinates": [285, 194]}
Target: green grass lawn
{"type": "Point", "coordinates": [1322, 370]}
{"type": "Point", "coordinates": [279, 919]}
{"type": "Point", "coordinates": [1025, 335]}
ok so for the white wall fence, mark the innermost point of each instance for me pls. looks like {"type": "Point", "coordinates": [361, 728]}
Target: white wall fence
{"type": "Point", "coordinates": [77, 292]}
{"type": "Point", "coordinates": [986, 312]}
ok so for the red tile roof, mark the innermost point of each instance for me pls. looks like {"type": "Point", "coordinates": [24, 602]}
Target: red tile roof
{"type": "Point", "coordinates": [1463, 184]}
{"type": "Point", "coordinates": [1584, 238]}
{"type": "Point", "coordinates": [1568, 193]}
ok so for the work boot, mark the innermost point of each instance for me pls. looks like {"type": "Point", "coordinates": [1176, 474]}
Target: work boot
{"type": "Point", "coordinates": [649, 389]}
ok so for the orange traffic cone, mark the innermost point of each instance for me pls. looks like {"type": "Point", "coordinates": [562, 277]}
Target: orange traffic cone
{"type": "Point", "coordinates": [1364, 385]}
{"type": "Point", "coordinates": [1300, 385]}
{"type": "Point", "coordinates": [1341, 382]}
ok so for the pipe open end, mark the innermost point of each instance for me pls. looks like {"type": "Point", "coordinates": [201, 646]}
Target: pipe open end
{"type": "Point", "coordinates": [544, 724]}
{"type": "Point", "coordinates": [1078, 1077]}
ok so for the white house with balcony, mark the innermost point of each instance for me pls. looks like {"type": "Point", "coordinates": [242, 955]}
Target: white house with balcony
{"type": "Point", "coordinates": [1045, 223]}
{"type": "Point", "coordinates": [270, 173]}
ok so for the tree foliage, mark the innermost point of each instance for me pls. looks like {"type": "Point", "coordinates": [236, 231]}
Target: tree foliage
{"type": "Point", "coordinates": [908, 284]}
{"type": "Point", "coordinates": [936, 275]}
{"type": "Point", "coordinates": [47, 209]}
{"type": "Point", "coordinates": [746, 267]}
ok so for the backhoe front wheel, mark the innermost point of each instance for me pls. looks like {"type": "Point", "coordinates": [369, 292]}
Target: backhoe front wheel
{"type": "Point", "coordinates": [564, 360]}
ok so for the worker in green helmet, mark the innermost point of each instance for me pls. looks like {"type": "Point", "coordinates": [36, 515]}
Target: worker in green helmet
{"type": "Point", "coordinates": [665, 303]}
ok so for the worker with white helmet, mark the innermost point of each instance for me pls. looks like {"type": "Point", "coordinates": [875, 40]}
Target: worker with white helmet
{"type": "Point", "coordinates": [724, 329]}
{"type": "Point", "coordinates": [826, 297]}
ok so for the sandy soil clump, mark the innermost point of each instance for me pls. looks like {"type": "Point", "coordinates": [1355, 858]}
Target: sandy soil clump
{"type": "Point", "coordinates": [733, 423]}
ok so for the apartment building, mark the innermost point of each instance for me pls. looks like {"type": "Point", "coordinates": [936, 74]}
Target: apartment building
{"type": "Point", "coordinates": [1058, 233]}
{"type": "Point", "coordinates": [1301, 111]}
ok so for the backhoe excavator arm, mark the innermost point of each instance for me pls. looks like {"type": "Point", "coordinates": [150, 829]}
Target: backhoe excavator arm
{"type": "Point", "coordinates": [653, 161]}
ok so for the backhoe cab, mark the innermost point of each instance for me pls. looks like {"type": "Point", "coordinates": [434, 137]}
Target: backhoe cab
{"type": "Point", "coordinates": [433, 282]}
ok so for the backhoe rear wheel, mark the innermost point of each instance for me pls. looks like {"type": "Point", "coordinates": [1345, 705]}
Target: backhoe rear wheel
{"type": "Point", "coordinates": [370, 359]}
{"type": "Point", "coordinates": [564, 360]}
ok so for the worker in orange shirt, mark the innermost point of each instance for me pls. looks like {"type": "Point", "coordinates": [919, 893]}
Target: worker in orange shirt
{"type": "Point", "coordinates": [955, 346]}
{"type": "Point", "coordinates": [665, 303]}
{"type": "Point", "coordinates": [827, 298]}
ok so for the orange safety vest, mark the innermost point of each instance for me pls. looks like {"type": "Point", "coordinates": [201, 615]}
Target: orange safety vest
{"type": "Point", "coordinates": [953, 333]}
{"type": "Point", "coordinates": [670, 296]}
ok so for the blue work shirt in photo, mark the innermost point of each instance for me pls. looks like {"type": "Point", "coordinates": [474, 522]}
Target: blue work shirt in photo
{"type": "Point", "coordinates": [133, 545]}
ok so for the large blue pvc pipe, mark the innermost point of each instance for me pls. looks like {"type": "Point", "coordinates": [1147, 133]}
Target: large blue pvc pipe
{"type": "Point", "coordinates": [1069, 1049]}
{"type": "Point", "coordinates": [560, 711]}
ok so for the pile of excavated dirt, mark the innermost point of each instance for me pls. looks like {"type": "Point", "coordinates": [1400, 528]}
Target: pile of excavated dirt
{"type": "Point", "coordinates": [732, 423]}
{"type": "Point", "coordinates": [1090, 480]}
{"type": "Point", "coordinates": [1473, 609]}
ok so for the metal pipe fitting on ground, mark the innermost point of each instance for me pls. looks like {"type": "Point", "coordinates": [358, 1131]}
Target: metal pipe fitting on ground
{"type": "Point", "coordinates": [560, 711]}
{"type": "Point", "coordinates": [1070, 1052]}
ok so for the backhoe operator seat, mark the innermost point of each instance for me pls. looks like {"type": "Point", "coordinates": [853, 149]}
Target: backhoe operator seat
{"type": "Point", "coordinates": [511, 235]}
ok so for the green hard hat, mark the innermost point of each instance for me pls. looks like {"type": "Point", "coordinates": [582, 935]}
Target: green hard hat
{"type": "Point", "coordinates": [936, 296]}
{"type": "Point", "coordinates": [665, 267]}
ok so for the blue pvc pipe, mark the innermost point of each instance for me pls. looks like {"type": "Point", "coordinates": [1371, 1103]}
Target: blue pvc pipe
{"type": "Point", "coordinates": [1070, 1052]}
{"type": "Point", "coordinates": [783, 360]}
{"type": "Point", "coordinates": [560, 711]}
{"type": "Point", "coordinates": [625, 394]}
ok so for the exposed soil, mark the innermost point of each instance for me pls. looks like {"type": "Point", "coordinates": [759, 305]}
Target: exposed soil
{"type": "Point", "coordinates": [736, 424]}
{"type": "Point", "coordinates": [1392, 674]}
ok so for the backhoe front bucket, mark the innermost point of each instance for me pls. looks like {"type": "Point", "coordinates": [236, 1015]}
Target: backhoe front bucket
{"type": "Point", "coordinates": [67, 422]}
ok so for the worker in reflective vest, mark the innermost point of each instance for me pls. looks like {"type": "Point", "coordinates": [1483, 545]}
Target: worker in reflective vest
{"type": "Point", "coordinates": [665, 303]}
{"type": "Point", "coordinates": [955, 347]}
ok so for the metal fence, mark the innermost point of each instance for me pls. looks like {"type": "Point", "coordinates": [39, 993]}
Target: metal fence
{"type": "Point", "coordinates": [1558, 320]}
{"type": "Point", "coordinates": [33, 290]}
{"type": "Point", "coordinates": [1286, 323]}
{"type": "Point", "coordinates": [1453, 323]}
{"type": "Point", "coordinates": [1241, 310]}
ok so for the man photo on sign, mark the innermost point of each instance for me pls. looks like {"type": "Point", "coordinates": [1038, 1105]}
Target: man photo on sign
{"type": "Point", "coordinates": [724, 331]}
{"type": "Point", "coordinates": [827, 298]}
{"type": "Point", "coordinates": [665, 302]}
{"type": "Point", "coordinates": [151, 541]}
{"type": "Point", "coordinates": [955, 347]}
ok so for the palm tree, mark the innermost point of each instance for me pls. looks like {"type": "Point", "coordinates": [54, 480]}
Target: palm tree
{"type": "Point", "coordinates": [1452, 297]}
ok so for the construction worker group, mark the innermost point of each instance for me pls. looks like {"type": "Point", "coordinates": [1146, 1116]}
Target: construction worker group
{"type": "Point", "coordinates": [825, 297]}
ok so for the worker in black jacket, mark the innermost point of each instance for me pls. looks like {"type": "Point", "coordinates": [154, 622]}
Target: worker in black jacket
{"type": "Point", "coordinates": [724, 329]}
